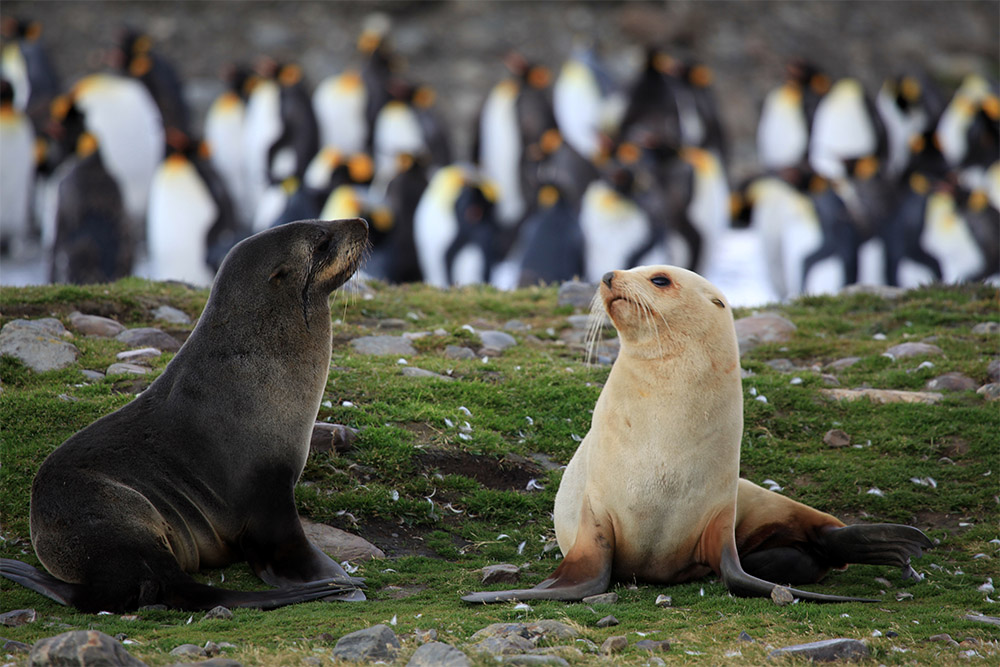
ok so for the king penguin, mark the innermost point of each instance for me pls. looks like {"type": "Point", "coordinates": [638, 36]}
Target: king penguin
{"type": "Point", "coordinates": [26, 64]}
{"type": "Point", "coordinates": [339, 103]}
{"type": "Point", "coordinates": [553, 241]}
{"type": "Point", "coordinates": [134, 56]}
{"type": "Point", "coordinates": [402, 196]}
{"type": "Point", "coordinates": [786, 117]}
{"type": "Point", "coordinates": [846, 126]}
{"type": "Point", "coordinates": [17, 174]}
{"type": "Point", "coordinates": [224, 135]}
{"type": "Point", "coordinates": [497, 150]}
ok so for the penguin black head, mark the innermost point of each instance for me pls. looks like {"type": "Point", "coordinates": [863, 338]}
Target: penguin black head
{"type": "Point", "coordinates": [6, 93]}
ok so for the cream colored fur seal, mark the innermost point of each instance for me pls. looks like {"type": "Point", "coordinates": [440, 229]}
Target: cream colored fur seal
{"type": "Point", "coordinates": [198, 471]}
{"type": "Point", "coordinates": [653, 493]}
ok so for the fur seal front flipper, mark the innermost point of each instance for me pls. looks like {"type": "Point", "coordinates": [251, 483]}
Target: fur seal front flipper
{"type": "Point", "coordinates": [199, 470]}
{"type": "Point", "coordinates": [653, 492]}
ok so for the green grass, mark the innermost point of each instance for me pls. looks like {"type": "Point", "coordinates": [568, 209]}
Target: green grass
{"type": "Point", "coordinates": [449, 493]}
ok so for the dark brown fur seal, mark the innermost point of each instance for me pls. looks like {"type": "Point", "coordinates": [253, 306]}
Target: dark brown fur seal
{"type": "Point", "coordinates": [198, 471]}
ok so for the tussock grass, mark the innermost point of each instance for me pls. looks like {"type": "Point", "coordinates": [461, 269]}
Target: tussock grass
{"type": "Point", "coordinates": [443, 501]}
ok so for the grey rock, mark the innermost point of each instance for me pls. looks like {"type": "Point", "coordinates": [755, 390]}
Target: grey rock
{"type": "Point", "coordinates": [503, 645]}
{"type": "Point", "coordinates": [92, 375]}
{"type": "Point", "coordinates": [337, 437]}
{"type": "Point", "coordinates": [438, 654]}
{"type": "Point", "coordinates": [424, 636]}
{"type": "Point", "coordinates": [827, 650]}
{"type": "Point", "coordinates": [986, 328]}
{"type": "Point", "coordinates": [884, 291]}
{"type": "Point", "coordinates": [579, 321]}
{"type": "Point", "coordinates": [13, 646]}
{"type": "Point", "coordinates": [141, 354]}
{"type": "Point", "coordinates": [607, 622]}
{"type": "Point", "coordinates": [745, 637]}
{"type": "Point", "coordinates": [529, 632]}
{"type": "Point", "coordinates": [38, 344]}
{"type": "Point", "coordinates": [993, 371]}
{"type": "Point", "coordinates": [907, 350]}
{"type": "Point", "coordinates": [577, 294]}
{"type": "Point", "coordinates": [764, 328]}
{"type": "Point", "coordinates": [653, 645]}
{"type": "Point", "coordinates": [515, 325]}
{"type": "Point", "coordinates": [149, 337]}
{"type": "Point", "coordinates": [498, 340]}
{"type": "Point", "coordinates": [615, 644]}
{"type": "Point", "coordinates": [836, 438]}
{"type": "Point", "coordinates": [189, 651]}
{"type": "Point", "coordinates": [219, 612]}
{"type": "Point", "coordinates": [532, 659]}
{"type": "Point", "coordinates": [127, 369]}
{"type": "Point", "coordinates": [990, 391]}
{"type": "Point", "coordinates": [86, 648]}
{"type": "Point", "coordinates": [602, 598]}
{"type": "Point", "coordinates": [664, 601]}
{"type": "Point", "coordinates": [829, 380]}
{"type": "Point", "coordinates": [392, 323]}
{"type": "Point", "coordinates": [551, 630]}
{"type": "Point", "coordinates": [18, 617]}
{"type": "Point", "coordinates": [781, 596]}
{"type": "Point", "coordinates": [502, 573]}
{"type": "Point", "coordinates": [381, 345]}
{"type": "Point", "coordinates": [841, 364]}
{"type": "Point", "coordinates": [943, 637]}
{"type": "Point", "coordinates": [95, 325]}
{"type": "Point", "coordinates": [414, 372]}
{"type": "Point", "coordinates": [171, 315]}
{"type": "Point", "coordinates": [952, 382]}
{"type": "Point", "coordinates": [338, 544]}
{"type": "Point", "coordinates": [781, 365]}
{"type": "Point", "coordinates": [981, 618]}
{"type": "Point", "coordinates": [211, 662]}
{"type": "Point", "coordinates": [378, 642]}
{"type": "Point", "coordinates": [883, 395]}
{"type": "Point", "coordinates": [459, 352]}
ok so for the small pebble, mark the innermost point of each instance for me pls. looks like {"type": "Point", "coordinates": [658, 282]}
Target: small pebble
{"type": "Point", "coordinates": [607, 622]}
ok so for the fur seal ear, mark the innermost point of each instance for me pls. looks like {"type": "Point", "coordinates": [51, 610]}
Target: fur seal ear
{"type": "Point", "coordinates": [277, 275]}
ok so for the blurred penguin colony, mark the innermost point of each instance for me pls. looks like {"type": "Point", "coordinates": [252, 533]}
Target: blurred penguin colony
{"type": "Point", "coordinates": [571, 173]}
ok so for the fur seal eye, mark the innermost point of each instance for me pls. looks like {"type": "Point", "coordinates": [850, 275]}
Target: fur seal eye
{"type": "Point", "coordinates": [660, 281]}
{"type": "Point", "coordinates": [718, 302]}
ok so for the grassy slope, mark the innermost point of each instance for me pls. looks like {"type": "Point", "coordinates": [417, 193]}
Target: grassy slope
{"type": "Point", "coordinates": [541, 378]}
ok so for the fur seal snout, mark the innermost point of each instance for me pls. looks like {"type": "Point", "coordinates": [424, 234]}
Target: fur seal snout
{"type": "Point", "coordinates": [653, 492]}
{"type": "Point", "coordinates": [198, 471]}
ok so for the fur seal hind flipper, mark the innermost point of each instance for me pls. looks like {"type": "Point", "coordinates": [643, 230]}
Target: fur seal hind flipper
{"type": "Point", "coordinates": [741, 584]}
{"type": "Point", "coordinates": [189, 595]}
{"type": "Point", "coordinates": [586, 569]}
{"type": "Point", "coordinates": [875, 544]}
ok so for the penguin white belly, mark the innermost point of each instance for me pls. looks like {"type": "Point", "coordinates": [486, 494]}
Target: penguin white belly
{"type": "Point", "coordinates": [947, 236]}
{"type": "Point", "coordinates": [709, 207]}
{"type": "Point", "coordinates": [261, 128]}
{"type": "Point", "coordinates": [270, 204]}
{"type": "Point", "coordinates": [468, 266]}
{"type": "Point", "coordinates": [577, 104]}
{"type": "Point", "coordinates": [15, 70]}
{"type": "Point", "coordinates": [224, 135]}
{"type": "Point", "coordinates": [17, 176]}
{"type": "Point", "coordinates": [842, 129]}
{"type": "Point", "coordinates": [871, 262]}
{"type": "Point", "coordinates": [339, 104]}
{"type": "Point", "coordinates": [181, 211]}
{"type": "Point", "coordinates": [397, 130]}
{"type": "Point", "coordinates": [613, 229]}
{"type": "Point", "coordinates": [782, 136]}
{"type": "Point", "coordinates": [500, 151]}
{"type": "Point", "coordinates": [123, 116]}
{"type": "Point", "coordinates": [800, 237]}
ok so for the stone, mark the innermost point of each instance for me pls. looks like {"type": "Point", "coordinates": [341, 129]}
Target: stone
{"type": "Point", "coordinates": [438, 654]}
{"type": "Point", "coordinates": [502, 573]}
{"type": "Point", "coordinates": [883, 395]}
{"type": "Point", "coordinates": [745, 637]}
{"type": "Point", "coordinates": [95, 325]}
{"type": "Point", "coordinates": [38, 344]}
{"type": "Point", "coordinates": [827, 650]}
{"type": "Point", "coordinates": [127, 369]}
{"type": "Point", "coordinates": [836, 438]}
{"type": "Point", "coordinates": [18, 617]}
{"type": "Point", "coordinates": [883, 291]}
{"type": "Point", "coordinates": [383, 345]}
{"type": "Point", "coordinates": [13, 646]}
{"type": "Point", "coordinates": [141, 354]}
{"type": "Point", "coordinates": [92, 375]}
{"type": "Point", "coordinates": [601, 598]}
{"type": "Point", "coordinates": [533, 659]}
{"type": "Point", "coordinates": [607, 622]}
{"type": "Point", "coordinates": [392, 323]}
{"type": "Point", "coordinates": [414, 372]}
{"type": "Point", "coordinates": [841, 364]}
{"type": "Point", "coordinates": [577, 294]}
{"type": "Point", "coordinates": [171, 315]}
{"type": "Point", "coordinates": [764, 328]}
{"type": "Point", "coordinates": [986, 328]}
{"type": "Point", "coordinates": [781, 596]}
{"type": "Point", "coordinates": [993, 371]}
{"type": "Point", "coordinates": [664, 601]}
{"type": "Point", "coordinates": [219, 612]}
{"type": "Point", "coordinates": [528, 632]}
{"type": "Point", "coordinates": [579, 321]}
{"type": "Point", "coordinates": [952, 382]}
{"type": "Point", "coordinates": [829, 380]}
{"type": "Point", "coordinates": [515, 325]}
{"type": "Point", "coordinates": [86, 648]}
{"type": "Point", "coordinates": [503, 645]}
{"type": "Point", "coordinates": [990, 391]}
{"type": "Point", "coordinates": [614, 644]}
{"type": "Point", "coordinates": [981, 618]}
{"type": "Point", "coordinates": [336, 437]}
{"type": "Point", "coordinates": [424, 636]}
{"type": "Point", "coordinates": [378, 642]}
{"type": "Point", "coordinates": [189, 651]}
{"type": "Point", "coordinates": [212, 662]}
{"type": "Point", "coordinates": [653, 645]}
{"type": "Point", "coordinates": [497, 340]}
{"type": "Point", "coordinates": [781, 365]}
{"type": "Point", "coordinates": [907, 350]}
{"type": "Point", "coordinates": [149, 337]}
{"type": "Point", "coordinates": [459, 352]}
{"type": "Point", "coordinates": [339, 544]}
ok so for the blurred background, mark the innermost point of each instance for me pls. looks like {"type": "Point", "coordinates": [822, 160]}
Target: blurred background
{"type": "Point", "coordinates": [627, 132]}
